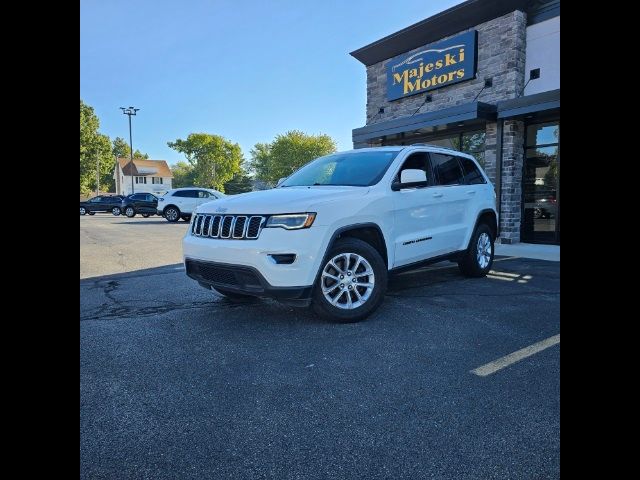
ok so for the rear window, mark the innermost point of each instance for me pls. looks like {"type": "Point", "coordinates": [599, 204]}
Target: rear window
{"type": "Point", "coordinates": [471, 173]}
{"type": "Point", "coordinates": [447, 169]}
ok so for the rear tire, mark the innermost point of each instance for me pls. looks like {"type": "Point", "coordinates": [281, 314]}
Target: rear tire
{"type": "Point", "coordinates": [186, 218]}
{"type": "Point", "coordinates": [116, 211]}
{"type": "Point", "coordinates": [172, 214]}
{"type": "Point", "coordinates": [146, 215]}
{"type": "Point", "coordinates": [351, 283]}
{"type": "Point", "coordinates": [91, 213]}
{"type": "Point", "coordinates": [235, 297]}
{"type": "Point", "coordinates": [83, 211]}
{"type": "Point", "coordinates": [478, 259]}
{"type": "Point", "coordinates": [130, 212]}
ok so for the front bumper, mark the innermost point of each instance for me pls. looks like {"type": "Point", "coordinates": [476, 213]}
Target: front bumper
{"type": "Point", "coordinates": [242, 279]}
{"type": "Point", "coordinates": [308, 245]}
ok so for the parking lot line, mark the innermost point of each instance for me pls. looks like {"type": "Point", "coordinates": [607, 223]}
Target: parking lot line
{"type": "Point", "coordinates": [514, 357]}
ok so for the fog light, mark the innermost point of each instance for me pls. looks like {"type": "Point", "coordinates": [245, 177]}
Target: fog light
{"type": "Point", "coordinates": [283, 258]}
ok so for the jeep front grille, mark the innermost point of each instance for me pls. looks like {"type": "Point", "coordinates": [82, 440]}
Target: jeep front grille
{"type": "Point", "coordinates": [236, 227]}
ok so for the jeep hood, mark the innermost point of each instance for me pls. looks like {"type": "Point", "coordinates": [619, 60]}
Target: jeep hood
{"type": "Point", "coordinates": [281, 200]}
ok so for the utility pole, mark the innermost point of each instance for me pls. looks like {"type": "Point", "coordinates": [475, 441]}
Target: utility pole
{"type": "Point", "coordinates": [97, 174]}
{"type": "Point", "coordinates": [130, 111]}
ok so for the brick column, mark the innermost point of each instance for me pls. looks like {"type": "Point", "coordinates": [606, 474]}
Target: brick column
{"type": "Point", "coordinates": [512, 166]}
{"type": "Point", "coordinates": [490, 145]}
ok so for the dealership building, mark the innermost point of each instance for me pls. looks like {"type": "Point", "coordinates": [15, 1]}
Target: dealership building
{"type": "Point", "coordinates": [482, 77]}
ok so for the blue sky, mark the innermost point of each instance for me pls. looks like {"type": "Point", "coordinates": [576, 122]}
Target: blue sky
{"type": "Point", "coordinates": [246, 70]}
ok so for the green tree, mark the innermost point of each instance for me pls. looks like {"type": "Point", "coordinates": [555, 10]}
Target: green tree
{"type": "Point", "coordinates": [287, 153]}
{"type": "Point", "coordinates": [95, 149]}
{"type": "Point", "coordinates": [121, 149]}
{"type": "Point", "coordinates": [215, 159]}
{"type": "Point", "coordinates": [240, 183]}
{"type": "Point", "coordinates": [183, 175]}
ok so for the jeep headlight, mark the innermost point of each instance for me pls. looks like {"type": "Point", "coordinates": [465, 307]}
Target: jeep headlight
{"type": "Point", "coordinates": [291, 221]}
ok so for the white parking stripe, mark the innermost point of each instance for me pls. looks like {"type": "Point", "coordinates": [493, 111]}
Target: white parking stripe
{"type": "Point", "coordinates": [514, 357]}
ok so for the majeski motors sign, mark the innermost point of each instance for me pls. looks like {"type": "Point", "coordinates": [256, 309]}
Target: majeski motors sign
{"type": "Point", "coordinates": [441, 64]}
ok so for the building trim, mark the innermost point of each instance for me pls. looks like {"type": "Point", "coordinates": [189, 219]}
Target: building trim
{"type": "Point", "coordinates": [459, 113]}
{"type": "Point", "coordinates": [453, 20]}
{"type": "Point", "coordinates": [538, 102]}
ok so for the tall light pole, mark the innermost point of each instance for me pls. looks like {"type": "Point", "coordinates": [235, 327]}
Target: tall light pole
{"type": "Point", "coordinates": [130, 111]}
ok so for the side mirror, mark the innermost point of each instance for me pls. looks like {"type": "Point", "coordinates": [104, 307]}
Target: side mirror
{"type": "Point", "coordinates": [410, 178]}
{"type": "Point", "coordinates": [280, 181]}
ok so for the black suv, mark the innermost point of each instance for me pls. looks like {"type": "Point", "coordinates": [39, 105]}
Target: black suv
{"type": "Point", "coordinates": [143, 203]}
{"type": "Point", "coordinates": [102, 203]}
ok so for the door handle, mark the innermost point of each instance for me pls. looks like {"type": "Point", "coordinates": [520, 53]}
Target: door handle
{"type": "Point", "coordinates": [437, 195]}
{"type": "Point", "coordinates": [471, 192]}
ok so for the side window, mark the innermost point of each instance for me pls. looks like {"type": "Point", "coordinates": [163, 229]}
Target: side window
{"type": "Point", "coordinates": [150, 198]}
{"type": "Point", "coordinates": [191, 193]}
{"type": "Point", "coordinates": [203, 194]}
{"type": "Point", "coordinates": [418, 161]}
{"type": "Point", "coordinates": [471, 173]}
{"type": "Point", "coordinates": [446, 169]}
{"type": "Point", "coordinates": [96, 199]}
{"type": "Point", "coordinates": [137, 196]}
{"type": "Point", "coordinates": [179, 193]}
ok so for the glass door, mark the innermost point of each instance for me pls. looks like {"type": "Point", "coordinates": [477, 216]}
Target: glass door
{"type": "Point", "coordinates": [541, 184]}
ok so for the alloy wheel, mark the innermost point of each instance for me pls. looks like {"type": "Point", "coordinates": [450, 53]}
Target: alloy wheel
{"type": "Point", "coordinates": [347, 281]}
{"type": "Point", "coordinates": [483, 252]}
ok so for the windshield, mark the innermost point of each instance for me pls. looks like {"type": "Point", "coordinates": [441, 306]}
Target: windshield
{"type": "Point", "coordinates": [356, 169]}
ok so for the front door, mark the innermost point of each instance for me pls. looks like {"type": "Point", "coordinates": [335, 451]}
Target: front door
{"type": "Point", "coordinates": [541, 183]}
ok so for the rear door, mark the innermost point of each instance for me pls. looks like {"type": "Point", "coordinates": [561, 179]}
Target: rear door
{"type": "Point", "coordinates": [189, 201]}
{"type": "Point", "coordinates": [150, 203]}
{"type": "Point", "coordinates": [94, 205]}
{"type": "Point", "coordinates": [453, 200]}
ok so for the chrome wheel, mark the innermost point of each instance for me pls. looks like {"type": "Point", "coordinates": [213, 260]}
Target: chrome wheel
{"type": "Point", "coordinates": [483, 253]}
{"type": "Point", "coordinates": [171, 214]}
{"type": "Point", "coordinates": [116, 211]}
{"type": "Point", "coordinates": [347, 281]}
{"type": "Point", "coordinates": [82, 211]}
{"type": "Point", "coordinates": [129, 212]}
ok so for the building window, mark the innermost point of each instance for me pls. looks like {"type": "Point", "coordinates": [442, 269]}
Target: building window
{"type": "Point", "coordinates": [471, 142]}
{"type": "Point", "coordinates": [541, 183]}
{"type": "Point", "coordinates": [156, 180]}
{"type": "Point", "coordinates": [141, 180]}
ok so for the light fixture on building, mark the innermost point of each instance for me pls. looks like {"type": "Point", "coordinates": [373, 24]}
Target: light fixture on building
{"type": "Point", "coordinates": [534, 74]}
{"type": "Point", "coordinates": [428, 99]}
{"type": "Point", "coordinates": [380, 110]}
{"type": "Point", "coordinates": [488, 83]}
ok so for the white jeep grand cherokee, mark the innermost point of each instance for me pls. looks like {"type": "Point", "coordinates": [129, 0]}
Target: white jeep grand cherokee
{"type": "Point", "coordinates": [331, 233]}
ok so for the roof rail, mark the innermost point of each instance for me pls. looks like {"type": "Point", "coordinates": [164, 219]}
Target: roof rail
{"type": "Point", "coordinates": [430, 145]}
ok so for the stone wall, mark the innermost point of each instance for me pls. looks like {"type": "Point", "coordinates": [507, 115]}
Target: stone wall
{"type": "Point", "coordinates": [501, 57]}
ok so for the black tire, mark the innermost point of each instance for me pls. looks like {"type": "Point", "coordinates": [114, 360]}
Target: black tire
{"type": "Point", "coordinates": [116, 211]}
{"type": "Point", "coordinates": [235, 297]}
{"type": "Point", "coordinates": [146, 215]}
{"type": "Point", "coordinates": [172, 214]}
{"type": "Point", "coordinates": [91, 213]}
{"type": "Point", "coordinates": [130, 212]}
{"type": "Point", "coordinates": [186, 218]}
{"type": "Point", "coordinates": [83, 211]}
{"type": "Point", "coordinates": [471, 263]}
{"type": "Point", "coordinates": [322, 306]}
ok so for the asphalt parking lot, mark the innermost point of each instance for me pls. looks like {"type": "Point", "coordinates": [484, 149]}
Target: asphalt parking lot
{"type": "Point", "coordinates": [177, 382]}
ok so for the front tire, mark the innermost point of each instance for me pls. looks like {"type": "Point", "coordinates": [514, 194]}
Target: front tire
{"type": "Point", "coordinates": [146, 215]}
{"type": "Point", "coordinates": [116, 211]}
{"type": "Point", "coordinates": [130, 212]}
{"type": "Point", "coordinates": [172, 214]}
{"type": "Point", "coordinates": [83, 211]}
{"type": "Point", "coordinates": [351, 283]}
{"type": "Point", "coordinates": [478, 258]}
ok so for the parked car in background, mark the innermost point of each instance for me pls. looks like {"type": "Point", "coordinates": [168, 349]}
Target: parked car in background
{"type": "Point", "coordinates": [142, 203]}
{"type": "Point", "coordinates": [181, 202]}
{"type": "Point", "coordinates": [102, 203]}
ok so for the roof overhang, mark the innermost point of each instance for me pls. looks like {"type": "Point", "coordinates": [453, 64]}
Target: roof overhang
{"type": "Point", "coordinates": [453, 20]}
{"type": "Point", "coordinates": [538, 103]}
{"type": "Point", "coordinates": [468, 113]}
